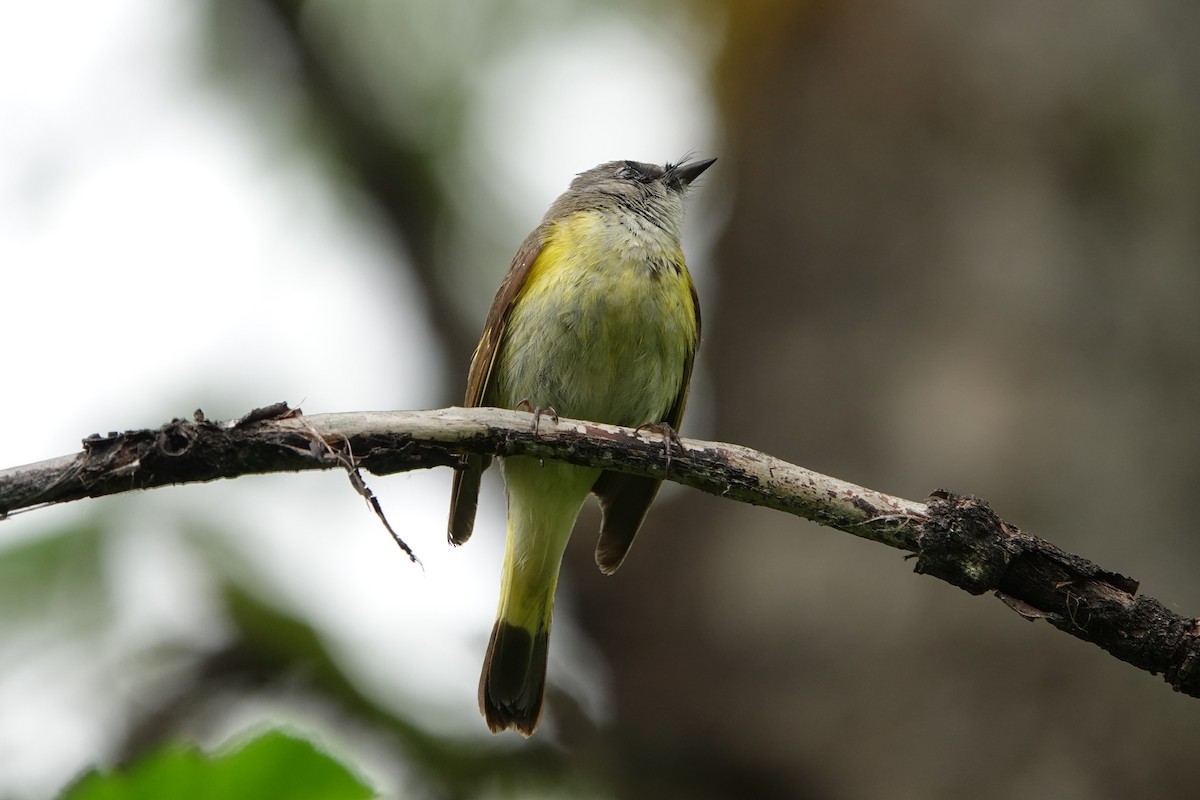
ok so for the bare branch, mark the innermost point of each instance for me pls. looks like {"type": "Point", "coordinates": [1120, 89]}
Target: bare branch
{"type": "Point", "coordinates": [957, 539]}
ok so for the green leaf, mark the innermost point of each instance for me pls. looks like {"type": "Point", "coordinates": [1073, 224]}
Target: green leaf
{"type": "Point", "coordinates": [272, 765]}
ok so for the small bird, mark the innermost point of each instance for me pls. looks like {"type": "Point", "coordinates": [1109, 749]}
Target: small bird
{"type": "Point", "coordinates": [597, 319]}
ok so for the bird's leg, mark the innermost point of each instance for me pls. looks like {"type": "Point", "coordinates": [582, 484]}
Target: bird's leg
{"type": "Point", "coordinates": [525, 405]}
{"type": "Point", "coordinates": [668, 433]}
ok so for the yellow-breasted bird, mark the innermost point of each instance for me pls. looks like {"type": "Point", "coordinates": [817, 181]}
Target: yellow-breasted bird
{"type": "Point", "coordinates": [597, 319]}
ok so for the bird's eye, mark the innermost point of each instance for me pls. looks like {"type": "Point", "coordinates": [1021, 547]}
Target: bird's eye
{"type": "Point", "coordinates": [627, 173]}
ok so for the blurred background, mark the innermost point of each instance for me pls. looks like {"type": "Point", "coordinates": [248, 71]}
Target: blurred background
{"type": "Point", "coordinates": [945, 246]}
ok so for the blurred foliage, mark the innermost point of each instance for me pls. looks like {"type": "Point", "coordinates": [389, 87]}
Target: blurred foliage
{"type": "Point", "coordinates": [55, 588]}
{"type": "Point", "coordinates": [56, 578]}
{"type": "Point", "coordinates": [272, 764]}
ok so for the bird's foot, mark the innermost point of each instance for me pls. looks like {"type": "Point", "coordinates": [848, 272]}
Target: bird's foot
{"type": "Point", "coordinates": [668, 433]}
{"type": "Point", "coordinates": [525, 405]}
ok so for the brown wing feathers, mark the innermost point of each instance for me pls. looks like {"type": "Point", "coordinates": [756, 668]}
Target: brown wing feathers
{"type": "Point", "coordinates": [464, 491]}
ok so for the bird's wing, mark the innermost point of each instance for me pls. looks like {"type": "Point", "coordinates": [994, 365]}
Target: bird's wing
{"type": "Point", "coordinates": [464, 492]}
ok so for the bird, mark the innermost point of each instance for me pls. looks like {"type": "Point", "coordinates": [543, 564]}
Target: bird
{"type": "Point", "coordinates": [598, 319]}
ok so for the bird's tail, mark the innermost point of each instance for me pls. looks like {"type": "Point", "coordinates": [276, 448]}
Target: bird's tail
{"type": "Point", "coordinates": [513, 682]}
{"type": "Point", "coordinates": [543, 501]}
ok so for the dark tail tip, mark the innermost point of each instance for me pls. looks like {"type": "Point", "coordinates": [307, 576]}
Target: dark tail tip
{"type": "Point", "coordinates": [513, 682]}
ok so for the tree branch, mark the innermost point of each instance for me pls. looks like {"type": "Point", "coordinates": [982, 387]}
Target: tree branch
{"type": "Point", "coordinates": [958, 539]}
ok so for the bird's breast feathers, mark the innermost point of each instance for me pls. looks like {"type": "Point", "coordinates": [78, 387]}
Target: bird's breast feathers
{"type": "Point", "coordinates": [604, 325]}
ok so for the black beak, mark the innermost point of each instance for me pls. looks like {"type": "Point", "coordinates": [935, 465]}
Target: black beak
{"type": "Point", "coordinates": [691, 170]}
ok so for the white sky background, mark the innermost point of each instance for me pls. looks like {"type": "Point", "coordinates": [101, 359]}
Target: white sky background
{"type": "Point", "coordinates": [156, 257]}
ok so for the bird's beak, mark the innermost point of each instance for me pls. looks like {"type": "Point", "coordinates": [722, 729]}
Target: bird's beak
{"type": "Point", "coordinates": [691, 170]}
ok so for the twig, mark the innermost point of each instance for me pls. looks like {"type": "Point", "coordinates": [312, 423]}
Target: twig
{"type": "Point", "coordinates": [958, 539]}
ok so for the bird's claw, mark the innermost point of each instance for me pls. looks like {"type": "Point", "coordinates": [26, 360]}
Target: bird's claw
{"type": "Point", "coordinates": [525, 405]}
{"type": "Point", "coordinates": [667, 432]}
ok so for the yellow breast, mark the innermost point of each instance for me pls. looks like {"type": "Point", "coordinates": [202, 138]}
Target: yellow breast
{"type": "Point", "coordinates": [604, 324]}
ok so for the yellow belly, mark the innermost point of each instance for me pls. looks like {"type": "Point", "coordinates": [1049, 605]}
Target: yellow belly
{"type": "Point", "coordinates": [602, 328]}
